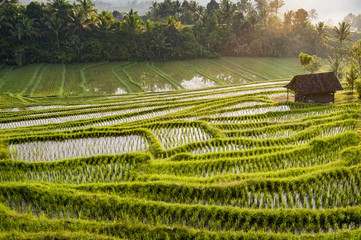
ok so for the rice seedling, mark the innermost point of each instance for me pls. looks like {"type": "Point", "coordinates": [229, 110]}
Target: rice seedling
{"type": "Point", "coordinates": [49, 151]}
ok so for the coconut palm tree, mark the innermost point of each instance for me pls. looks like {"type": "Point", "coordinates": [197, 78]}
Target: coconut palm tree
{"type": "Point", "coordinates": [78, 21]}
{"type": "Point", "coordinates": [263, 10]}
{"type": "Point", "coordinates": [343, 32]}
{"type": "Point", "coordinates": [313, 14]}
{"type": "Point", "coordinates": [104, 24]}
{"type": "Point", "coordinates": [159, 43]}
{"type": "Point", "coordinates": [275, 5]}
{"type": "Point", "coordinates": [132, 27]}
{"type": "Point", "coordinates": [61, 8]}
{"type": "Point", "coordinates": [322, 32]}
{"type": "Point", "coordinates": [226, 12]}
{"type": "Point", "coordinates": [55, 25]}
{"type": "Point", "coordinates": [87, 7]}
{"type": "Point", "coordinates": [25, 28]}
{"type": "Point", "coordinates": [132, 24]}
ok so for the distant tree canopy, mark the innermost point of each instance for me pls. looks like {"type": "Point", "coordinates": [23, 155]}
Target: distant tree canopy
{"type": "Point", "coordinates": [354, 21]}
{"type": "Point", "coordinates": [60, 32]}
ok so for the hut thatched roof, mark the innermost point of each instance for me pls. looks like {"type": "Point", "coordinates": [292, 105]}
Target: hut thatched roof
{"type": "Point", "coordinates": [314, 83]}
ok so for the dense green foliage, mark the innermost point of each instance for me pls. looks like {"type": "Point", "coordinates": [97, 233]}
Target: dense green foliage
{"type": "Point", "coordinates": [60, 32]}
{"type": "Point", "coordinates": [226, 162]}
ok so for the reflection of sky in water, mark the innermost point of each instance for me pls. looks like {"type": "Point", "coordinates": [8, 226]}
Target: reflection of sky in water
{"type": "Point", "coordinates": [224, 77]}
{"type": "Point", "coordinates": [230, 79]}
{"type": "Point", "coordinates": [155, 88]}
{"type": "Point", "coordinates": [120, 91]}
{"type": "Point", "coordinates": [197, 82]}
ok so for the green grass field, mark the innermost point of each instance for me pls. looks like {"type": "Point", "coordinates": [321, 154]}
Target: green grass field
{"type": "Point", "coordinates": [39, 80]}
{"type": "Point", "coordinates": [220, 162]}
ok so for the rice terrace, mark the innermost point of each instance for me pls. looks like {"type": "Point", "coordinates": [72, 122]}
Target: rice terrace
{"type": "Point", "coordinates": [223, 161]}
{"type": "Point", "coordinates": [201, 122]}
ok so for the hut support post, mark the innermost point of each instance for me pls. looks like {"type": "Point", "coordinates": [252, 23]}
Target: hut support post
{"type": "Point", "coordinates": [287, 94]}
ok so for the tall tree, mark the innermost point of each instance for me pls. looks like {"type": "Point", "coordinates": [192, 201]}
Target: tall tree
{"type": "Point", "coordinates": [105, 25]}
{"type": "Point", "coordinates": [78, 21]}
{"type": "Point", "coordinates": [132, 26]}
{"type": "Point", "coordinates": [225, 13]}
{"type": "Point", "coordinates": [245, 6]}
{"type": "Point", "coordinates": [212, 6]}
{"type": "Point", "coordinates": [262, 7]}
{"type": "Point", "coordinates": [160, 44]}
{"type": "Point", "coordinates": [300, 17]}
{"type": "Point", "coordinates": [9, 14]}
{"type": "Point", "coordinates": [87, 7]}
{"type": "Point", "coordinates": [132, 23]}
{"type": "Point", "coordinates": [354, 56]}
{"type": "Point", "coordinates": [351, 77]}
{"type": "Point", "coordinates": [61, 8]}
{"type": "Point", "coordinates": [322, 31]}
{"type": "Point", "coordinates": [55, 25]}
{"type": "Point", "coordinates": [275, 5]}
{"type": "Point", "coordinates": [343, 32]}
{"type": "Point", "coordinates": [25, 28]}
{"type": "Point", "coordinates": [288, 17]}
{"type": "Point", "coordinates": [313, 14]}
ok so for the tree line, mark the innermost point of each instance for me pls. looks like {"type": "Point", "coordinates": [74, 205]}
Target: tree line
{"type": "Point", "coordinates": [61, 32]}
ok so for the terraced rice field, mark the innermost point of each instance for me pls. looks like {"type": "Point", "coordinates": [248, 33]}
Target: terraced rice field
{"type": "Point", "coordinates": [226, 162]}
{"type": "Point", "coordinates": [117, 78]}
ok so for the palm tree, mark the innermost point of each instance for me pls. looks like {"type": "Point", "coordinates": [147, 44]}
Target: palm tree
{"type": "Point", "coordinates": [160, 44]}
{"type": "Point", "coordinates": [55, 25]}
{"type": "Point", "coordinates": [300, 17]}
{"type": "Point", "coordinates": [321, 29]}
{"type": "Point", "coordinates": [275, 5]}
{"type": "Point", "coordinates": [245, 6]}
{"type": "Point", "coordinates": [313, 15]}
{"type": "Point", "coordinates": [25, 28]}
{"type": "Point", "coordinates": [343, 32]}
{"type": "Point", "coordinates": [263, 9]}
{"type": "Point", "coordinates": [288, 16]}
{"type": "Point", "coordinates": [226, 12]}
{"type": "Point", "coordinates": [104, 24]}
{"type": "Point", "coordinates": [132, 27]}
{"type": "Point", "coordinates": [132, 23]}
{"type": "Point", "coordinates": [61, 8]}
{"type": "Point", "coordinates": [322, 36]}
{"type": "Point", "coordinates": [87, 7]}
{"type": "Point", "coordinates": [78, 21]}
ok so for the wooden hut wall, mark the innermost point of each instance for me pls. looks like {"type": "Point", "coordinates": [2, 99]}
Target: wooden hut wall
{"type": "Point", "coordinates": [319, 98]}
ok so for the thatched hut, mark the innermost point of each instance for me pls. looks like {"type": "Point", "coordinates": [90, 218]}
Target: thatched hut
{"type": "Point", "coordinates": [315, 88]}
